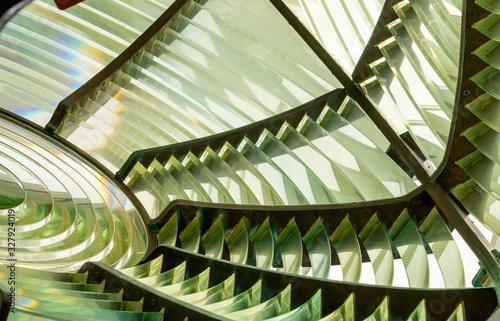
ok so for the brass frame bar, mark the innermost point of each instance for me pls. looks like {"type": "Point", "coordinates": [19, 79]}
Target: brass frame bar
{"type": "Point", "coordinates": [437, 186]}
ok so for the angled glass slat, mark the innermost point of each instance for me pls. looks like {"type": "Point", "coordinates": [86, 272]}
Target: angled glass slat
{"type": "Point", "coordinates": [190, 57]}
{"type": "Point", "coordinates": [213, 239]}
{"type": "Point", "coordinates": [257, 183]}
{"type": "Point", "coordinates": [275, 306]}
{"type": "Point", "coordinates": [485, 108]}
{"type": "Point", "coordinates": [328, 170]}
{"type": "Point", "coordinates": [303, 177]}
{"type": "Point", "coordinates": [445, 31]}
{"type": "Point", "coordinates": [191, 187]}
{"type": "Point", "coordinates": [237, 241]}
{"type": "Point", "coordinates": [484, 139]}
{"type": "Point", "coordinates": [483, 171]}
{"type": "Point", "coordinates": [61, 300]}
{"type": "Point", "coordinates": [318, 247]}
{"type": "Point", "coordinates": [440, 83]}
{"type": "Point", "coordinates": [406, 108]}
{"type": "Point", "coordinates": [81, 293]}
{"type": "Point", "coordinates": [284, 186]}
{"type": "Point", "coordinates": [381, 313]}
{"type": "Point", "coordinates": [346, 162]}
{"type": "Point", "coordinates": [420, 313]}
{"type": "Point", "coordinates": [343, 27]}
{"type": "Point", "coordinates": [489, 52]}
{"type": "Point", "coordinates": [437, 234]}
{"type": "Point", "coordinates": [345, 242]}
{"type": "Point", "coordinates": [479, 203]}
{"type": "Point", "coordinates": [356, 117]}
{"type": "Point", "coordinates": [289, 243]}
{"type": "Point", "coordinates": [53, 310]}
{"type": "Point", "coordinates": [489, 26]}
{"type": "Point", "coordinates": [263, 244]}
{"type": "Point", "coordinates": [133, 94]}
{"type": "Point", "coordinates": [234, 184]}
{"type": "Point", "coordinates": [375, 90]}
{"type": "Point", "coordinates": [207, 179]}
{"type": "Point", "coordinates": [172, 276]}
{"type": "Point", "coordinates": [344, 313]}
{"type": "Point", "coordinates": [311, 310]}
{"type": "Point", "coordinates": [195, 284]}
{"type": "Point", "coordinates": [200, 85]}
{"type": "Point", "coordinates": [377, 244]}
{"type": "Point", "coordinates": [410, 246]}
{"type": "Point", "coordinates": [417, 94]}
{"type": "Point", "coordinates": [488, 79]}
{"type": "Point", "coordinates": [217, 293]}
{"type": "Point", "coordinates": [190, 236]}
{"type": "Point", "coordinates": [242, 301]}
{"type": "Point", "coordinates": [168, 233]}
{"type": "Point", "coordinates": [458, 314]}
{"type": "Point", "coordinates": [490, 5]}
{"type": "Point", "coordinates": [148, 269]}
{"type": "Point", "coordinates": [173, 189]}
{"type": "Point", "coordinates": [148, 190]}
{"type": "Point", "coordinates": [361, 146]}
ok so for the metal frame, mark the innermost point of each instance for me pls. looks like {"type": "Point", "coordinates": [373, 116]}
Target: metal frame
{"type": "Point", "coordinates": [435, 186]}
